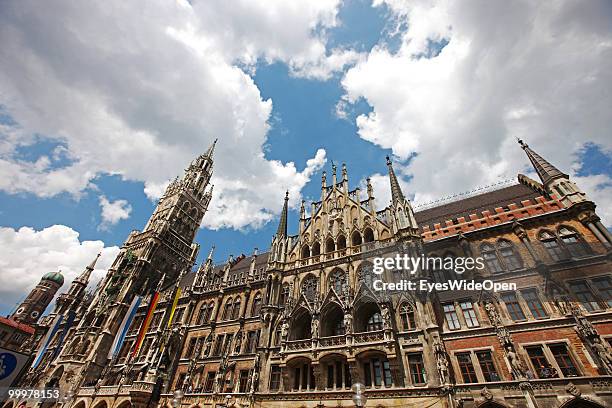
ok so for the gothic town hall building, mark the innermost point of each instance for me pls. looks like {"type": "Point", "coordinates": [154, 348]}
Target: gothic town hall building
{"type": "Point", "coordinates": [297, 325]}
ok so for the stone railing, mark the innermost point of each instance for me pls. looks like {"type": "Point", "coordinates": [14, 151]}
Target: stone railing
{"type": "Point", "coordinates": [86, 391]}
{"type": "Point", "coordinates": [332, 341]}
{"type": "Point", "coordinates": [298, 344]}
{"type": "Point", "coordinates": [369, 337]}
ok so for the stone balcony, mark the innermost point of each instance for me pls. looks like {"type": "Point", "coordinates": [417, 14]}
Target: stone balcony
{"type": "Point", "coordinates": [374, 338]}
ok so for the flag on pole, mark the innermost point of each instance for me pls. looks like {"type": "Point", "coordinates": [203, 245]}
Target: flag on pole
{"type": "Point", "coordinates": [67, 326]}
{"type": "Point", "coordinates": [47, 340]}
{"type": "Point", "coordinates": [123, 329]}
{"type": "Point", "coordinates": [174, 303]}
{"type": "Point", "coordinates": [146, 323]}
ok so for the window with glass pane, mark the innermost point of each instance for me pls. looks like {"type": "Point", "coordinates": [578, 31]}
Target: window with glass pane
{"type": "Point", "coordinates": [236, 310]}
{"type": "Point", "coordinates": [490, 257]}
{"type": "Point", "coordinates": [467, 368]}
{"type": "Point", "coordinates": [374, 322]}
{"type": "Point", "coordinates": [337, 281]}
{"type": "Point", "coordinates": [552, 246]}
{"type": "Point", "coordinates": [367, 374]}
{"type": "Point", "coordinates": [417, 368]}
{"type": "Point", "coordinates": [450, 313]}
{"type": "Point", "coordinates": [571, 242]}
{"type": "Point", "coordinates": [439, 275]}
{"type": "Point", "coordinates": [309, 287]}
{"type": "Point", "coordinates": [219, 345]}
{"type": "Point", "coordinates": [540, 364]}
{"type": "Point", "coordinates": [284, 296]}
{"type": "Point", "coordinates": [564, 360]}
{"type": "Point", "coordinates": [227, 312]}
{"type": "Point", "coordinates": [604, 287]}
{"type": "Point", "coordinates": [366, 275]}
{"type": "Point", "coordinates": [339, 328]}
{"type": "Point", "coordinates": [407, 316]}
{"type": "Point", "coordinates": [584, 295]}
{"type": "Point", "coordinates": [509, 255]}
{"type": "Point", "coordinates": [244, 380]}
{"type": "Point", "coordinates": [377, 372]}
{"type": "Point", "coordinates": [202, 315]}
{"type": "Point", "coordinates": [534, 304]}
{"type": "Point", "coordinates": [387, 374]}
{"type": "Point", "coordinates": [485, 359]}
{"type": "Point", "coordinates": [513, 306]}
{"type": "Point", "coordinates": [210, 380]}
{"type": "Point", "coordinates": [469, 314]}
{"type": "Point", "coordinates": [275, 376]}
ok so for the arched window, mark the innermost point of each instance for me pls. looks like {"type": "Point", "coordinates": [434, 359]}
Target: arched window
{"type": "Point", "coordinates": [368, 235]}
{"type": "Point", "coordinates": [356, 238]}
{"type": "Point", "coordinates": [209, 313]}
{"type": "Point", "coordinates": [330, 246]}
{"type": "Point", "coordinates": [339, 328]}
{"type": "Point", "coordinates": [256, 308]}
{"type": "Point", "coordinates": [341, 242]}
{"type": "Point", "coordinates": [309, 287]}
{"type": "Point", "coordinates": [407, 316]}
{"type": "Point", "coordinates": [490, 256]}
{"type": "Point", "coordinates": [227, 311]}
{"type": "Point", "coordinates": [571, 240]}
{"type": "Point", "coordinates": [316, 249]}
{"type": "Point", "coordinates": [337, 281]}
{"type": "Point", "coordinates": [365, 274]}
{"type": "Point", "coordinates": [284, 295]}
{"type": "Point", "coordinates": [550, 242]}
{"type": "Point", "coordinates": [374, 322]}
{"type": "Point", "coordinates": [236, 311]}
{"type": "Point", "coordinates": [508, 253]}
{"type": "Point", "coordinates": [305, 252]}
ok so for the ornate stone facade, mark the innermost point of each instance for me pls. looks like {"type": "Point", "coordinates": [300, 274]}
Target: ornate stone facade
{"type": "Point", "coordinates": [297, 325]}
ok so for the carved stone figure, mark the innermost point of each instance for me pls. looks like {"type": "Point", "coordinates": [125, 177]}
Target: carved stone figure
{"type": "Point", "coordinates": [348, 323]}
{"type": "Point", "coordinates": [603, 354]}
{"type": "Point", "coordinates": [284, 330]}
{"type": "Point", "coordinates": [314, 327]}
{"type": "Point", "coordinates": [386, 317]}
{"type": "Point", "coordinates": [441, 360]}
{"type": "Point", "coordinates": [518, 370]}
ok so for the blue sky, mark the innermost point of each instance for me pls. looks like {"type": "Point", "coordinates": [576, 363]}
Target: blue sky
{"type": "Point", "coordinates": [94, 123]}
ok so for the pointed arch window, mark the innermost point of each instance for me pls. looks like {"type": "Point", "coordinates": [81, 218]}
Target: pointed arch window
{"type": "Point", "coordinates": [572, 242]}
{"type": "Point", "coordinates": [490, 257]}
{"type": "Point", "coordinates": [236, 310]}
{"type": "Point", "coordinates": [368, 235]}
{"type": "Point", "coordinates": [366, 275]}
{"type": "Point", "coordinates": [316, 249]}
{"type": "Point", "coordinates": [509, 255]}
{"type": "Point", "coordinates": [256, 308]}
{"type": "Point", "coordinates": [337, 281]}
{"type": "Point", "coordinates": [341, 242]}
{"type": "Point", "coordinates": [309, 287]}
{"type": "Point", "coordinates": [227, 311]}
{"type": "Point", "coordinates": [330, 246]}
{"type": "Point", "coordinates": [305, 252]}
{"type": "Point", "coordinates": [202, 314]}
{"type": "Point", "coordinates": [356, 238]}
{"type": "Point", "coordinates": [407, 316]}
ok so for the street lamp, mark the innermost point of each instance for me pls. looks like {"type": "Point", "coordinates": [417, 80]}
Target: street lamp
{"type": "Point", "coordinates": [178, 396]}
{"type": "Point", "coordinates": [359, 397]}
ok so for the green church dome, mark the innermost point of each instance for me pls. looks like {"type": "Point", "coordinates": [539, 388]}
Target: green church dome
{"type": "Point", "coordinates": [56, 277]}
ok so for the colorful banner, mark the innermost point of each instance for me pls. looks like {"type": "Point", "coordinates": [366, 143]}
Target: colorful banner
{"type": "Point", "coordinates": [125, 326]}
{"type": "Point", "coordinates": [174, 303]}
{"type": "Point", "coordinates": [67, 326]}
{"type": "Point", "coordinates": [47, 340]}
{"type": "Point", "coordinates": [146, 323]}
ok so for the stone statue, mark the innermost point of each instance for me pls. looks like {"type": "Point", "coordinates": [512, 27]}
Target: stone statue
{"type": "Point", "coordinates": [209, 341]}
{"type": "Point", "coordinates": [515, 363]}
{"type": "Point", "coordinates": [314, 327]}
{"type": "Point", "coordinates": [386, 317]}
{"type": "Point", "coordinates": [348, 323]}
{"type": "Point", "coordinates": [441, 360]}
{"type": "Point", "coordinates": [603, 354]}
{"type": "Point", "coordinates": [284, 330]}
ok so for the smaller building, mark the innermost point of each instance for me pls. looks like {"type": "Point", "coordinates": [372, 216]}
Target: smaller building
{"type": "Point", "coordinates": [13, 333]}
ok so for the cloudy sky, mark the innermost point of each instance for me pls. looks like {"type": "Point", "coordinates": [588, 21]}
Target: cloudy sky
{"type": "Point", "coordinates": [101, 104]}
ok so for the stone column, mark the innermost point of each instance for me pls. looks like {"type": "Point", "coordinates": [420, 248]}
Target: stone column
{"type": "Point", "coordinates": [520, 232]}
{"type": "Point", "coordinates": [592, 222]}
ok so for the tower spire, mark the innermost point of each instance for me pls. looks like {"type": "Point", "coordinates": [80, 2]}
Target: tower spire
{"type": "Point", "coordinates": [211, 149]}
{"type": "Point", "coordinates": [282, 225]}
{"type": "Point", "coordinates": [396, 191]}
{"type": "Point", "coordinates": [546, 171]}
{"type": "Point", "coordinates": [84, 277]}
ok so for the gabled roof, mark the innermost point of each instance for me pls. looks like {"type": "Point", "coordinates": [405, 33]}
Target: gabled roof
{"type": "Point", "coordinates": [475, 205]}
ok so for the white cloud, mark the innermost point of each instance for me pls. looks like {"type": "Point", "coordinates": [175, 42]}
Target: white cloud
{"type": "Point", "coordinates": [139, 90]}
{"type": "Point", "coordinates": [536, 70]}
{"type": "Point", "coordinates": [113, 211]}
{"type": "Point", "coordinates": [28, 254]}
